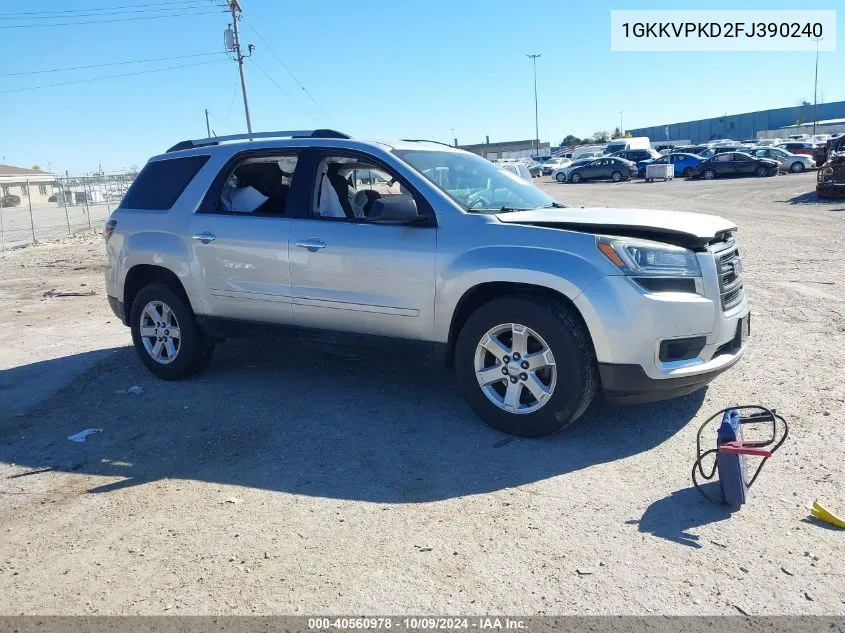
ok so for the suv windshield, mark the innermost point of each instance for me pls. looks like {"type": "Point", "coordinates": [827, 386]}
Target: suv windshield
{"type": "Point", "coordinates": [475, 183]}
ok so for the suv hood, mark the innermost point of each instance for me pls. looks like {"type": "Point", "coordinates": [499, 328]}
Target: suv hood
{"type": "Point", "coordinates": [690, 230]}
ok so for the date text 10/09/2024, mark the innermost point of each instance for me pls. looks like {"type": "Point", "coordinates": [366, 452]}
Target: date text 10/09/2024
{"type": "Point", "coordinates": [418, 623]}
{"type": "Point", "coordinates": [722, 29]}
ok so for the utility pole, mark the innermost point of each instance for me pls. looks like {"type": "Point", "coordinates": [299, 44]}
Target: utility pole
{"type": "Point", "coordinates": [816, 85]}
{"type": "Point", "coordinates": [621, 130]}
{"type": "Point", "coordinates": [235, 47]}
{"type": "Point", "coordinates": [533, 58]}
{"type": "Point", "coordinates": [207, 126]}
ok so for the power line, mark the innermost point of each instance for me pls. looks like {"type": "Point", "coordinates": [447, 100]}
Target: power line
{"type": "Point", "coordinates": [196, 5]}
{"type": "Point", "coordinates": [135, 61]}
{"type": "Point", "coordinates": [149, 17]}
{"type": "Point", "coordinates": [123, 6]}
{"type": "Point", "coordinates": [231, 103]}
{"type": "Point", "coordinates": [93, 79]}
{"type": "Point", "coordinates": [285, 92]}
{"type": "Point", "coordinates": [290, 72]}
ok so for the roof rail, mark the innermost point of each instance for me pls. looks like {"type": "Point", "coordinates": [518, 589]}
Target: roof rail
{"type": "Point", "coordinates": [216, 140]}
{"type": "Point", "coordinates": [426, 140]}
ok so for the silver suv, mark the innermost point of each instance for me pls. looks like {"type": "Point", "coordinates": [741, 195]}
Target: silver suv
{"type": "Point", "coordinates": [536, 306]}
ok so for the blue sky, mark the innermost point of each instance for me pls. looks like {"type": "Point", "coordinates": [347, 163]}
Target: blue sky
{"type": "Point", "coordinates": [379, 69]}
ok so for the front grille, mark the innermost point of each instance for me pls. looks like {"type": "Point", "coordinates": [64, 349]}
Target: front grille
{"type": "Point", "coordinates": [729, 271]}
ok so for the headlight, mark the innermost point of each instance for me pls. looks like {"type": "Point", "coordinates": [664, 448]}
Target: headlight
{"type": "Point", "coordinates": [644, 258]}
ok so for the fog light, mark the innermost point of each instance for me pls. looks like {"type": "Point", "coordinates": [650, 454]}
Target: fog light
{"type": "Point", "coordinates": [681, 348]}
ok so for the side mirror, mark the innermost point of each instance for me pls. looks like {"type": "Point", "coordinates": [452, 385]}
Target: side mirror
{"type": "Point", "coordinates": [399, 209]}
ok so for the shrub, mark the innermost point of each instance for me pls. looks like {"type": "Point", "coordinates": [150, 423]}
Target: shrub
{"type": "Point", "coordinates": [10, 200]}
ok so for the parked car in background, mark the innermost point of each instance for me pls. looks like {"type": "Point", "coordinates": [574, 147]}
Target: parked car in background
{"type": "Point", "coordinates": [722, 149]}
{"type": "Point", "coordinates": [555, 162]}
{"type": "Point", "coordinates": [608, 167]}
{"type": "Point", "coordinates": [830, 180]}
{"type": "Point", "coordinates": [535, 169]}
{"type": "Point", "coordinates": [587, 151]}
{"type": "Point", "coordinates": [636, 155]}
{"type": "Point", "coordinates": [690, 149]}
{"type": "Point", "coordinates": [684, 163]}
{"type": "Point", "coordinates": [798, 147]}
{"type": "Point", "coordinates": [622, 144]}
{"type": "Point", "coordinates": [795, 163]}
{"type": "Point", "coordinates": [520, 170]}
{"type": "Point", "coordinates": [561, 174]}
{"type": "Point", "coordinates": [735, 164]}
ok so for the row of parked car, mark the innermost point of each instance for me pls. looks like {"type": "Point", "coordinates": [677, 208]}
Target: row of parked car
{"type": "Point", "coordinates": [692, 162]}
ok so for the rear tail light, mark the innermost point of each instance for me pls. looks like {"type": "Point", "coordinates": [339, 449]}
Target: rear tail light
{"type": "Point", "coordinates": [108, 229]}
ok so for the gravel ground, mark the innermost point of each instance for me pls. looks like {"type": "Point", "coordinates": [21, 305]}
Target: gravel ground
{"type": "Point", "coordinates": [345, 482]}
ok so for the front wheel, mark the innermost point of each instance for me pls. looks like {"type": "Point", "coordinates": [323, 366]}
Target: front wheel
{"type": "Point", "coordinates": [576, 178]}
{"type": "Point", "coordinates": [166, 335]}
{"type": "Point", "coordinates": [709, 174]}
{"type": "Point", "coordinates": [687, 171]}
{"type": "Point", "coordinates": [762, 170]}
{"type": "Point", "coordinates": [797, 167]}
{"type": "Point", "coordinates": [616, 176]}
{"type": "Point", "coordinates": [526, 365]}
{"type": "Point", "coordinates": [561, 177]}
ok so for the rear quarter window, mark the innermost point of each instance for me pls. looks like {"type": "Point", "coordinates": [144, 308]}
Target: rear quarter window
{"type": "Point", "coordinates": [161, 182]}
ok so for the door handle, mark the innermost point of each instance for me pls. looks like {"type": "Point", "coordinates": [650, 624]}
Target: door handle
{"type": "Point", "coordinates": [313, 244]}
{"type": "Point", "coordinates": [205, 237]}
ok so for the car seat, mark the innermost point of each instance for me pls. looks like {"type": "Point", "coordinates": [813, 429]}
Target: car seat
{"type": "Point", "coordinates": [362, 202]}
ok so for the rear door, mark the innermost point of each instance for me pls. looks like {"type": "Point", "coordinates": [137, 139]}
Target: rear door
{"type": "Point", "coordinates": [239, 238]}
{"type": "Point", "coordinates": [723, 165]}
{"type": "Point", "coordinates": [351, 275]}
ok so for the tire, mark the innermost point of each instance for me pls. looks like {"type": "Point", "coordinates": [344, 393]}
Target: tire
{"type": "Point", "coordinates": [687, 171]}
{"type": "Point", "coordinates": [575, 178]}
{"type": "Point", "coordinates": [193, 352]}
{"type": "Point", "coordinates": [561, 177]}
{"type": "Point", "coordinates": [709, 174]}
{"type": "Point", "coordinates": [797, 167]}
{"type": "Point", "coordinates": [575, 369]}
{"type": "Point", "coordinates": [616, 176]}
{"type": "Point", "coordinates": [762, 170]}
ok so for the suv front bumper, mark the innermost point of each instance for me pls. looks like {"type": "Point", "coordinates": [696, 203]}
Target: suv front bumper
{"type": "Point", "coordinates": [628, 325]}
{"type": "Point", "coordinates": [629, 384]}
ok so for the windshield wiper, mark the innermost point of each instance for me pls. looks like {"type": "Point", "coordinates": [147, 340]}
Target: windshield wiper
{"type": "Point", "coordinates": [555, 205]}
{"type": "Point", "coordinates": [498, 210]}
{"type": "Point", "coordinates": [509, 209]}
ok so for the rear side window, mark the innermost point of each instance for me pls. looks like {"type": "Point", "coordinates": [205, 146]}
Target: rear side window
{"type": "Point", "coordinates": [161, 182]}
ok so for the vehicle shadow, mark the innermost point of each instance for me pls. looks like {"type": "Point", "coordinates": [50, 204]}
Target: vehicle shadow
{"type": "Point", "coordinates": [345, 424]}
{"type": "Point", "coordinates": [811, 197]}
{"type": "Point", "coordinates": [672, 517]}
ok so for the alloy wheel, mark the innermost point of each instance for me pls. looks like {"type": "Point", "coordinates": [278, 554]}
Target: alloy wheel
{"type": "Point", "coordinates": [160, 332]}
{"type": "Point", "coordinates": [515, 368]}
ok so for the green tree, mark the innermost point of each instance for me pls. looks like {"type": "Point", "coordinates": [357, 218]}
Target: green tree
{"type": "Point", "coordinates": [570, 139]}
{"type": "Point", "coordinates": [36, 167]}
{"type": "Point", "coordinates": [601, 136]}
{"type": "Point", "coordinates": [617, 133]}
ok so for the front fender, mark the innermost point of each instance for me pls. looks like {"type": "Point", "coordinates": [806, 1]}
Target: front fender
{"type": "Point", "coordinates": [564, 272]}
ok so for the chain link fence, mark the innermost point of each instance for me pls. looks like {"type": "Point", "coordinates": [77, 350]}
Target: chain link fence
{"type": "Point", "coordinates": [44, 207]}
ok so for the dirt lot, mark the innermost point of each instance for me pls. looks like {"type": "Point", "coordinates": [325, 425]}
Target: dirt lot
{"type": "Point", "coordinates": [345, 482]}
